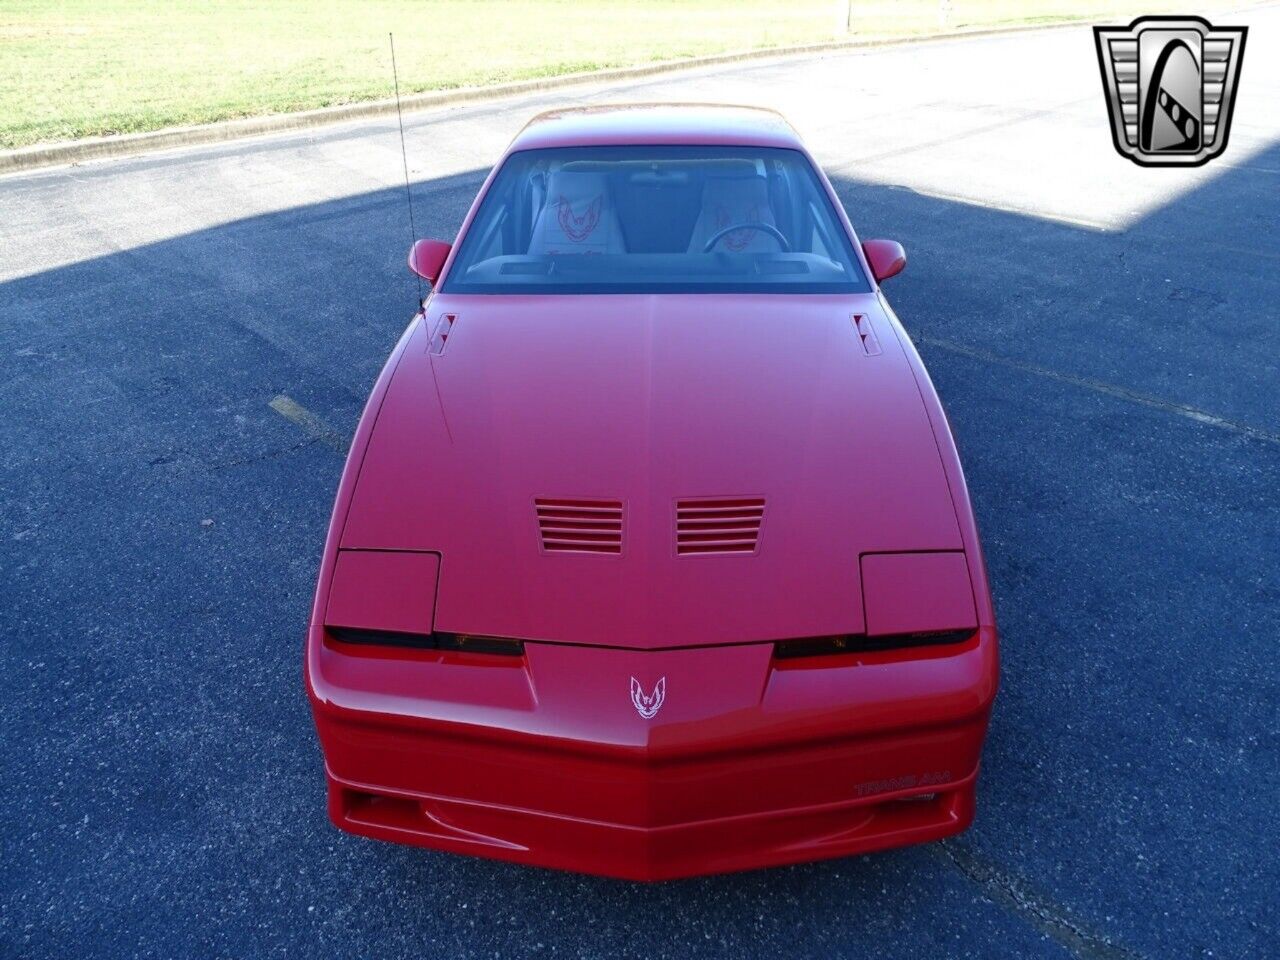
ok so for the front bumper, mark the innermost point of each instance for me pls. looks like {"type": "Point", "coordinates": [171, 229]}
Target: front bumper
{"type": "Point", "coordinates": [750, 762]}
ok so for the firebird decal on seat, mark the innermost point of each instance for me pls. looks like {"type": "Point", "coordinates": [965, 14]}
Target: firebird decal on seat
{"type": "Point", "coordinates": [737, 240]}
{"type": "Point", "coordinates": [648, 706]}
{"type": "Point", "coordinates": [578, 228]}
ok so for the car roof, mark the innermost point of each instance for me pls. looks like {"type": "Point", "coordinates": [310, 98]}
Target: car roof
{"type": "Point", "coordinates": [665, 123]}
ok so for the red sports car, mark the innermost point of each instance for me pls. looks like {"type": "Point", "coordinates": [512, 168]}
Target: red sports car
{"type": "Point", "coordinates": [653, 555]}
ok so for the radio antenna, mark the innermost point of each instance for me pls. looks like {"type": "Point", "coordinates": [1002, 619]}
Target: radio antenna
{"type": "Point", "coordinates": [408, 194]}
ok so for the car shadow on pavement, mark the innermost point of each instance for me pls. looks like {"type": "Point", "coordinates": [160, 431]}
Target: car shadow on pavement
{"type": "Point", "coordinates": [1113, 397]}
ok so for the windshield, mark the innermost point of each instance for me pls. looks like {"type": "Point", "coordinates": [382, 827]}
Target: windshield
{"type": "Point", "coordinates": [656, 219]}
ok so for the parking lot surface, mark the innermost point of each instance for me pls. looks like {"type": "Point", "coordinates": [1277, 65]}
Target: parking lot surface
{"type": "Point", "coordinates": [188, 339]}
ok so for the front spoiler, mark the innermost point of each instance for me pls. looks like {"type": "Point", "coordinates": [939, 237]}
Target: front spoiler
{"type": "Point", "coordinates": [544, 760]}
{"type": "Point", "coordinates": [654, 853]}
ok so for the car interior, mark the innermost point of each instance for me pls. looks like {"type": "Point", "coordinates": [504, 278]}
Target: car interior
{"type": "Point", "coordinates": [675, 219]}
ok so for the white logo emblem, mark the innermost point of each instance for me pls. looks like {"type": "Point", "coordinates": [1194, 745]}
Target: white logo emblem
{"type": "Point", "coordinates": [648, 706]}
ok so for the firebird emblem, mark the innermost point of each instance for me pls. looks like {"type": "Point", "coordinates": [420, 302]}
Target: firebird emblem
{"type": "Point", "coordinates": [578, 228]}
{"type": "Point", "coordinates": [648, 706]}
{"type": "Point", "coordinates": [737, 240]}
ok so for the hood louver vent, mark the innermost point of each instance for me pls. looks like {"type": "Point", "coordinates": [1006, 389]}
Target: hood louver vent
{"type": "Point", "coordinates": [866, 334]}
{"type": "Point", "coordinates": [440, 336]}
{"type": "Point", "coordinates": [580, 526]}
{"type": "Point", "coordinates": [726, 525]}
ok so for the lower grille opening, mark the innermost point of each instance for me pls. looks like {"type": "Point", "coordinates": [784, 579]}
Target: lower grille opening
{"type": "Point", "coordinates": [376, 809]}
{"type": "Point", "coordinates": [860, 643]}
{"type": "Point", "coordinates": [918, 798]}
{"type": "Point", "coordinates": [915, 811]}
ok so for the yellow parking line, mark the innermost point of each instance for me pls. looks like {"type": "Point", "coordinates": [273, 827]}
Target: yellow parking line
{"type": "Point", "coordinates": [293, 411]}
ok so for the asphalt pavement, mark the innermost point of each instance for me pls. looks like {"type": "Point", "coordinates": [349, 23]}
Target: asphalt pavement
{"type": "Point", "coordinates": [187, 338]}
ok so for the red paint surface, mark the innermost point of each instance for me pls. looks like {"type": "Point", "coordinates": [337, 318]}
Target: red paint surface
{"type": "Point", "coordinates": [911, 592]}
{"type": "Point", "coordinates": [648, 399]}
{"type": "Point", "coordinates": [384, 591]}
{"type": "Point", "coordinates": [645, 400]}
{"type": "Point", "coordinates": [426, 257]}
{"type": "Point", "coordinates": [886, 257]}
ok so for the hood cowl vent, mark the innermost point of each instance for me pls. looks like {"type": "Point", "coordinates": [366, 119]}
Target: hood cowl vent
{"type": "Point", "coordinates": [719, 525]}
{"type": "Point", "coordinates": [440, 336]}
{"type": "Point", "coordinates": [580, 526]}
{"type": "Point", "coordinates": [866, 334]}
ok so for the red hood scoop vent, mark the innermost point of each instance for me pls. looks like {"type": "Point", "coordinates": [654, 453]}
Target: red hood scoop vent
{"type": "Point", "coordinates": [580, 526]}
{"type": "Point", "coordinates": [720, 525]}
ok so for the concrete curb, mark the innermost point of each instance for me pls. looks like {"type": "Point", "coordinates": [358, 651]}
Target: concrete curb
{"type": "Point", "coordinates": [98, 148]}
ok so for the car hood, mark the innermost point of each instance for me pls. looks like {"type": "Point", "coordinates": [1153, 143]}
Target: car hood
{"type": "Point", "coordinates": [643, 401]}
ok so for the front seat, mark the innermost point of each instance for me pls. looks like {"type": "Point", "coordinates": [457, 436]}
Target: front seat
{"type": "Point", "coordinates": [730, 200]}
{"type": "Point", "coordinates": [578, 217]}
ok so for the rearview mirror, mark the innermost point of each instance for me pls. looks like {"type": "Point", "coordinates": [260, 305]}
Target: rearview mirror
{"type": "Point", "coordinates": [887, 258]}
{"type": "Point", "coordinates": [427, 257]}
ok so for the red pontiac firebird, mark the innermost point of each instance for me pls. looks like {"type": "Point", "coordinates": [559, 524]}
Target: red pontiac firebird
{"type": "Point", "coordinates": [652, 555]}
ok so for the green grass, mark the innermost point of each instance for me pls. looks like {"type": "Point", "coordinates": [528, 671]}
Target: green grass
{"type": "Point", "coordinates": [80, 68]}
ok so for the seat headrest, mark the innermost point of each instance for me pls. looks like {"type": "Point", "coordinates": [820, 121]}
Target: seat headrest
{"type": "Point", "coordinates": [577, 217]}
{"type": "Point", "coordinates": [727, 201]}
{"type": "Point", "coordinates": [576, 186]}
